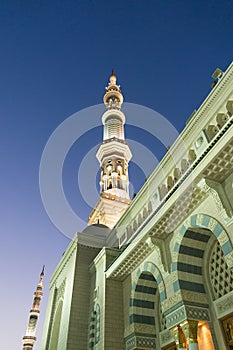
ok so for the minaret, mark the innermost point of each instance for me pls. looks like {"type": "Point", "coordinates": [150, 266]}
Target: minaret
{"type": "Point", "coordinates": [29, 339]}
{"type": "Point", "coordinates": [113, 155]}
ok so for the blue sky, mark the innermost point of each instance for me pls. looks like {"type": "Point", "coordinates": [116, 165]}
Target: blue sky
{"type": "Point", "coordinates": [56, 57]}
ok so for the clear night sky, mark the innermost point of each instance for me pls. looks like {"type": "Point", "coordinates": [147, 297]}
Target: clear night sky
{"type": "Point", "coordinates": [56, 57]}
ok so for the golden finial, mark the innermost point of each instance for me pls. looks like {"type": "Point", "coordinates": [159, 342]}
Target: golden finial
{"type": "Point", "coordinates": [112, 78]}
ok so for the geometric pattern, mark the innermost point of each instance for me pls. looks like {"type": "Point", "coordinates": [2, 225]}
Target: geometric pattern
{"type": "Point", "coordinates": [196, 313]}
{"type": "Point", "coordinates": [176, 316]}
{"type": "Point", "coordinates": [221, 277]}
{"type": "Point", "coordinates": [131, 342]}
{"type": "Point", "coordinates": [187, 312]}
{"type": "Point", "coordinates": [135, 341]}
{"type": "Point", "coordinates": [145, 342]}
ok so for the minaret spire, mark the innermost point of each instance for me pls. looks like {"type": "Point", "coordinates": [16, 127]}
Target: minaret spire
{"type": "Point", "coordinates": [30, 338]}
{"type": "Point", "coordinates": [113, 155]}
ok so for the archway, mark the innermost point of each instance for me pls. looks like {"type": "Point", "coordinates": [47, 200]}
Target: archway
{"type": "Point", "coordinates": [56, 327]}
{"type": "Point", "coordinates": [196, 238]}
{"type": "Point", "coordinates": [146, 318]}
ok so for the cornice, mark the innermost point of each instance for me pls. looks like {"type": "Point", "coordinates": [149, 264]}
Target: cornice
{"type": "Point", "coordinates": [157, 222]}
{"type": "Point", "coordinates": [180, 144]}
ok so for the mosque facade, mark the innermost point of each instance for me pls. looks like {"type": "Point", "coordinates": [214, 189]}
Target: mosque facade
{"type": "Point", "coordinates": [154, 272]}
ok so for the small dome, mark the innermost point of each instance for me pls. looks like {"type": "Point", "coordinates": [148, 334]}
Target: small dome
{"type": "Point", "coordinates": [97, 230]}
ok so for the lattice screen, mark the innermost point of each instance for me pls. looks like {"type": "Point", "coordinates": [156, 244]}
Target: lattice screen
{"type": "Point", "coordinates": [221, 277]}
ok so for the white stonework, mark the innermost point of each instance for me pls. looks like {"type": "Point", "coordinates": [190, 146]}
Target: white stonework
{"type": "Point", "coordinates": [113, 155]}
{"type": "Point", "coordinates": [170, 264]}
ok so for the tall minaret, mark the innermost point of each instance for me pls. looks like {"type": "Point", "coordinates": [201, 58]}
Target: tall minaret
{"type": "Point", "coordinates": [113, 155]}
{"type": "Point", "coordinates": [29, 339]}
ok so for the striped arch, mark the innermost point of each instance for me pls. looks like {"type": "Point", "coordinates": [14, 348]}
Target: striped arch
{"type": "Point", "coordinates": [147, 282]}
{"type": "Point", "coordinates": [153, 269]}
{"type": "Point", "coordinates": [189, 250]}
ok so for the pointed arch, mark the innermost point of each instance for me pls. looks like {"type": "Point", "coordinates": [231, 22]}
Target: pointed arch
{"type": "Point", "coordinates": [209, 223]}
{"type": "Point", "coordinates": [191, 243]}
{"type": "Point", "coordinates": [56, 326]}
{"type": "Point", "coordinates": [154, 270]}
{"type": "Point", "coordinates": [148, 290]}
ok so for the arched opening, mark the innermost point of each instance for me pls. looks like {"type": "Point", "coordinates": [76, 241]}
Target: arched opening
{"type": "Point", "coordinates": [191, 282]}
{"type": "Point", "coordinates": [56, 327]}
{"type": "Point", "coordinates": [146, 318]}
{"type": "Point", "coordinates": [204, 277]}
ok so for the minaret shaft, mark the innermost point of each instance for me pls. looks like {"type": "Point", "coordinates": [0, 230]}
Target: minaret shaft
{"type": "Point", "coordinates": [30, 338]}
{"type": "Point", "coordinates": [114, 155]}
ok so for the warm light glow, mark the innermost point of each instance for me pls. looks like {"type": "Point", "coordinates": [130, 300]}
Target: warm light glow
{"type": "Point", "coordinates": [204, 337]}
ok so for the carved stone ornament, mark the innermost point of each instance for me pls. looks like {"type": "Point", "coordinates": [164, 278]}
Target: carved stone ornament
{"type": "Point", "coordinates": [224, 305]}
{"type": "Point", "coordinates": [190, 331]}
{"type": "Point", "coordinates": [172, 301]}
{"type": "Point", "coordinates": [175, 317]}
{"type": "Point", "coordinates": [165, 256]}
{"type": "Point", "coordinates": [229, 260]}
{"type": "Point", "coordinates": [178, 336]}
{"type": "Point", "coordinates": [166, 337]}
{"type": "Point", "coordinates": [216, 191]}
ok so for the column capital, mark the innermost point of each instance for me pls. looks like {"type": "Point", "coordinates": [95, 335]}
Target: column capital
{"type": "Point", "coordinates": [189, 328]}
{"type": "Point", "coordinates": [179, 337]}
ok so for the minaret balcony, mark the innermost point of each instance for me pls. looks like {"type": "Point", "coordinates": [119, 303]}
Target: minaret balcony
{"type": "Point", "coordinates": [113, 148]}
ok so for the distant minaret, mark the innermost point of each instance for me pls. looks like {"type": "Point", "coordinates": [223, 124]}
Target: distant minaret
{"type": "Point", "coordinates": [113, 155]}
{"type": "Point", "coordinates": [29, 339]}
